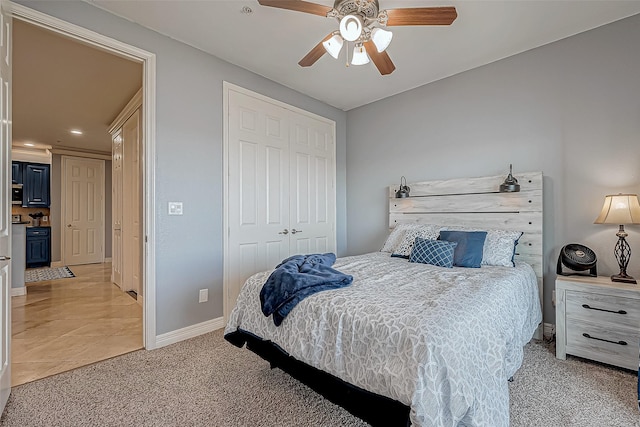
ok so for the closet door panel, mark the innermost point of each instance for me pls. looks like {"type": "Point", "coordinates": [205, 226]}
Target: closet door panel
{"type": "Point", "coordinates": [258, 193]}
{"type": "Point", "coordinates": [313, 200]}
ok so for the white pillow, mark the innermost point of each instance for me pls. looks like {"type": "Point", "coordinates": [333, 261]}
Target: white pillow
{"type": "Point", "coordinates": [424, 231]}
{"type": "Point", "coordinates": [396, 236]}
{"type": "Point", "coordinates": [499, 246]}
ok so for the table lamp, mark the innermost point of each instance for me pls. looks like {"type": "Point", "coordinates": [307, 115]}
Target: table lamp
{"type": "Point", "coordinates": [621, 209]}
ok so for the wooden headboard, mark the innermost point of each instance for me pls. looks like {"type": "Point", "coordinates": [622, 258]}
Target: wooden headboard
{"type": "Point", "coordinates": [477, 202]}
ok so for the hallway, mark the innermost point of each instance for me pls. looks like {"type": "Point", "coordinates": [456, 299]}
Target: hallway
{"type": "Point", "coordinates": [66, 323]}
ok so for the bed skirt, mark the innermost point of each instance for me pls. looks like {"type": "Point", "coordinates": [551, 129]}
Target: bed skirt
{"type": "Point", "coordinates": [373, 408]}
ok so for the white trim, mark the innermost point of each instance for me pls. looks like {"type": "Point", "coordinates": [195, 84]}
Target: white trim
{"type": "Point", "coordinates": [79, 153]}
{"type": "Point", "coordinates": [226, 310]}
{"type": "Point", "coordinates": [189, 332]}
{"type": "Point", "coordinates": [108, 259]}
{"type": "Point", "coordinates": [55, 264]}
{"type": "Point", "coordinates": [230, 86]}
{"type": "Point", "coordinates": [226, 87]}
{"type": "Point", "coordinates": [131, 107]}
{"type": "Point", "coordinates": [16, 292]}
{"type": "Point", "coordinates": [148, 60]}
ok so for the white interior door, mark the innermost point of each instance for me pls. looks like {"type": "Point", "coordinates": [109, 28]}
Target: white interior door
{"type": "Point", "coordinates": [258, 194]}
{"type": "Point", "coordinates": [5, 210]}
{"type": "Point", "coordinates": [131, 223]}
{"type": "Point", "coordinates": [312, 188]}
{"type": "Point", "coordinates": [83, 210]}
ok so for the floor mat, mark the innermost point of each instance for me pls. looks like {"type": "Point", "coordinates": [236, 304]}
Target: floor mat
{"type": "Point", "coordinates": [39, 274]}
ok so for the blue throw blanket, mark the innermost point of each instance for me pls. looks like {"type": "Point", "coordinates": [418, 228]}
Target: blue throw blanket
{"type": "Point", "coordinates": [296, 278]}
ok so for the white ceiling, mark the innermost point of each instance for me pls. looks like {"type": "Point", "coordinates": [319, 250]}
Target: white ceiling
{"type": "Point", "coordinates": [60, 84]}
{"type": "Point", "coordinates": [271, 41]}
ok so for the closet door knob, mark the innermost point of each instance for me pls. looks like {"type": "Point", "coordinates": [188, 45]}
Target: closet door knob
{"type": "Point", "coordinates": [285, 231]}
{"type": "Point", "coordinates": [294, 231]}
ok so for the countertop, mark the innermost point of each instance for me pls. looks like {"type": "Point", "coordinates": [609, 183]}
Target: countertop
{"type": "Point", "coordinates": [20, 222]}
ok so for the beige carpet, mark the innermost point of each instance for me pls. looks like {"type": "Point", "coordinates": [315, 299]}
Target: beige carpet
{"type": "Point", "coordinates": [207, 382]}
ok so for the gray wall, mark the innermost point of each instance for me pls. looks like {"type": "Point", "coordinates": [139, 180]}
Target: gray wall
{"type": "Point", "coordinates": [570, 109]}
{"type": "Point", "coordinates": [189, 160]}
{"type": "Point", "coordinates": [56, 208]}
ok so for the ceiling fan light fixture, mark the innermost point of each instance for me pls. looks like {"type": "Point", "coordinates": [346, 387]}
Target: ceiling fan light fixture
{"type": "Point", "coordinates": [360, 56]}
{"type": "Point", "coordinates": [381, 38]}
{"type": "Point", "coordinates": [333, 46]}
{"type": "Point", "coordinates": [351, 27]}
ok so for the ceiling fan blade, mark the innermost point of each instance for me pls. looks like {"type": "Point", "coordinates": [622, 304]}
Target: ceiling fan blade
{"type": "Point", "coordinates": [298, 6]}
{"type": "Point", "coordinates": [422, 16]}
{"type": "Point", "coordinates": [315, 53]}
{"type": "Point", "coordinates": [381, 59]}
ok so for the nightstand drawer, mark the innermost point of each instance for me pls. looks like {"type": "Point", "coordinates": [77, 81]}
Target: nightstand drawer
{"type": "Point", "coordinates": [603, 309]}
{"type": "Point", "coordinates": [613, 345]}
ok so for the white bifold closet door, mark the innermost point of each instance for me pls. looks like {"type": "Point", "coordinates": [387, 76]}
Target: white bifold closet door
{"type": "Point", "coordinates": [281, 191]}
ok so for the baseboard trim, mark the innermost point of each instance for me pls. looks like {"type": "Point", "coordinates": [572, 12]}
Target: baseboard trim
{"type": "Point", "coordinates": [189, 332]}
{"type": "Point", "coordinates": [57, 264]}
{"type": "Point", "coordinates": [108, 259]}
{"type": "Point", "coordinates": [16, 292]}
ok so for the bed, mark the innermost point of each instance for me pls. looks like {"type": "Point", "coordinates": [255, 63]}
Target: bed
{"type": "Point", "coordinates": [413, 343]}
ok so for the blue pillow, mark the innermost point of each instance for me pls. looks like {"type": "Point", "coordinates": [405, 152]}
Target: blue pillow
{"type": "Point", "coordinates": [434, 252]}
{"type": "Point", "coordinates": [468, 253]}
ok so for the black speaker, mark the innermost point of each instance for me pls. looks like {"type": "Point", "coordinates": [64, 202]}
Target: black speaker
{"type": "Point", "coordinates": [577, 258]}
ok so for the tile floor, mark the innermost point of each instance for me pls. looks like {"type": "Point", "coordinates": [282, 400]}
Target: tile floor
{"type": "Point", "coordinates": [66, 323]}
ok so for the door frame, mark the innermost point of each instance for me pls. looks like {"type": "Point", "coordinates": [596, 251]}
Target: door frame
{"type": "Point", "coordinates": [63, 204]}
{"type": "Point", "coordinates": [148, 61]}
{"type": "Point", "coordinates": [226, 87]}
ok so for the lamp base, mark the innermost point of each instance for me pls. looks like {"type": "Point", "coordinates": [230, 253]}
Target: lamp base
{"type": "Point", "coordinates": [623, 279]}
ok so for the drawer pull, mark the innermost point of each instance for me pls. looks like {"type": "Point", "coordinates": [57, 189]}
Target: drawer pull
{"type": "Point", "coordinates": [602, 309]}
{"type": "Point", "coordinates": [602, 339]}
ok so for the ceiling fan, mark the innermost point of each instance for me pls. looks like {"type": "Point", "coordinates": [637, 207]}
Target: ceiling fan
{"type": "Point", "coordinates": [362, 22]}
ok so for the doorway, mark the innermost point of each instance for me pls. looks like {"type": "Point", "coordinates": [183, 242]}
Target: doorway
{"type": "Point", "coordinates": [147, 61]}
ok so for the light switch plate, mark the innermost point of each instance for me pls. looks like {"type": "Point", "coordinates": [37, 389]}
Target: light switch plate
{"type": "Point", "coordinates": [175, 208]}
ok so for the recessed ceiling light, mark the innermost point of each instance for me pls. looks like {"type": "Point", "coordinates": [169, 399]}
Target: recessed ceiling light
{"type": "Point", "coordinates": [28, 144]}
{"type": "Point", "coordinates": [76, 131]}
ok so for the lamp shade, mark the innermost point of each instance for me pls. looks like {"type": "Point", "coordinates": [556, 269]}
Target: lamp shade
{"type": "Point", "coordinates": [381, 38]}
{"type": "Point", "coordinates": [360, 56]}
{"type": "Point", "coordinates": [350, 27]}
{"type": "Point", "coordinates": [620, 209]}
{"type": "Point", "coordinates": [333, 45]}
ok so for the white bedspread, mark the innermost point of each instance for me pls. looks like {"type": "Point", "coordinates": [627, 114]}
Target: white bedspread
{"type": "Point", "coordinates": [443, 341]}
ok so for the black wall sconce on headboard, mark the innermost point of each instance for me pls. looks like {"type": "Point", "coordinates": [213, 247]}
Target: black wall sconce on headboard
{"type": "Point", "coordinates": [404, 189]}
{"type": "Point", "coordinates": [510, 184]}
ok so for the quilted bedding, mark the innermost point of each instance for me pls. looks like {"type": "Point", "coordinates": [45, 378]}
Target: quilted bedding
{"type": "Point", "coordinates": [442, 341]}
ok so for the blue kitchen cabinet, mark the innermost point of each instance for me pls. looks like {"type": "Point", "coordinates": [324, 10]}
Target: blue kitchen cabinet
{"type": "Point", "coordinates": [36, 185]}
{"type": "Point", "coordinates": [16, 173]}
{"type": "Point", "coordinates": [38, 247]}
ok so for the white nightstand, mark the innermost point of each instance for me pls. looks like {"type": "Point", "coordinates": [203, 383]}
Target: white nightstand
{"type": "Point", "coordinates": [598, 319]}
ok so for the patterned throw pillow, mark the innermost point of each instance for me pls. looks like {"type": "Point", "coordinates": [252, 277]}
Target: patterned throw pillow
{"type": "Point", "coordinates": [424, 231]}
{"type": "Point", "coordinates": [500, 247]}
{"type": "Point", "coordinates": [434, 252]}
{"type": "Point", "coordinates": [468, 253]}
{"type": "Point", "coordinates": [396, 236]}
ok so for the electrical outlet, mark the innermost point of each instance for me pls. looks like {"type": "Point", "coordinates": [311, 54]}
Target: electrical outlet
{"type": "Point", "coordinates": [204, 295]}
{"type": "Point", "coordinates": [45, 219]}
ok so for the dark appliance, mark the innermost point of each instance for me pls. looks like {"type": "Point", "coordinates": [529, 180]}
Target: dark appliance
{"type": "Point", "coordinates": [16, 194]}
{"type": "Point", "coordinates": [577, 258]}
